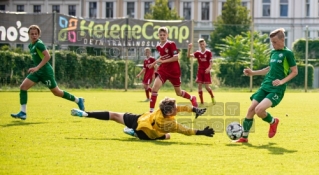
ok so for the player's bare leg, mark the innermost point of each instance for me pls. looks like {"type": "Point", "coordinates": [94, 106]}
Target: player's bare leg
{"type": "Point", "coordinates": [265, 116]}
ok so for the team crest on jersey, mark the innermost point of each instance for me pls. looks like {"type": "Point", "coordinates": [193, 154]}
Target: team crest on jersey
{"type": "Point", "coordinates": [280, 55]}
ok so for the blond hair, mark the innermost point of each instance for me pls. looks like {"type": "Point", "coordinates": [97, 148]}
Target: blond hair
{"type": "Point", "coordinates": [162, 29]}
{"type": "Point", "coordinates": [201, 40]}
{"type": "Point", "coordinates": [147, 48]}
{"type": "Point", "coordinates": [32, 27]}
{"type": "Point", "coordinates": [280, 33]}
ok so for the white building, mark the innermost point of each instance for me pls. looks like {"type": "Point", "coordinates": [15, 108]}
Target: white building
{"type": "Point", "coordinates": [293, 15]}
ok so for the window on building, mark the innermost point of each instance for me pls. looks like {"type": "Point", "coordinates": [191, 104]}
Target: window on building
{"type": "Point", "coordinates": [92, 9]}
{"type": "Point", "coordinates": [308, 8]}
{"type": "Point", "coordinates": [109, 10]}
{"type": "Point", "coordinates": [147, 7]}
{"type": "Point", "coordinates": [20, 8]}
{"type": "Point", "coordinates": [130, 9]}
{"type": "Point", "coordinates": [36, 8]}
{"type": "Point", "coordinates": [72, 10]}
{"type": "Point", "coordinates": [266, 8]}
{"type": "Point", "coordinates": [170, 5]}
{"type": "Point", "coordinates": [56, 8]}
{"type": "Point", "coordinates": [244, 4]}
{"type": "Point", "coordinates": [223, 3]}
{"type": "Point", "coordinates": [205, 37]}
{"type": "Point", "coordinates": [187, 10]}
{"type": "Point", "coordinates": [283, 8]}
{"type": "Point", "coordinates": [205, 10]}
{"type": "Point", "coordinates": [20, 46]}
{"type": "Point", "coordinates": [3, 7]}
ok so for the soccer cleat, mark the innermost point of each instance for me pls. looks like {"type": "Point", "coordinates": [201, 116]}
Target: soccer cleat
{"type": "Point", "coordinates": [147, 100]}
{"type": "Point", "coordinates": [21, 115]}
{"type": "Point", "coordinates": [273, 128]}
{"type": "Point", "coordinates": [241, 140]}
{"type": "Point", "coordinates": [194, 102]}
{"type": "Point", "coordinates": [81, 103]}
{"type": "Point", "coordinates": [213, 100]}
{"type": "Point", "coordinates": [129, 131]}
{"type": "Point", "coordinates": [78, 113]}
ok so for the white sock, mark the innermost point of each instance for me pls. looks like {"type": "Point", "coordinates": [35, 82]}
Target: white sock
{"type": "Point", "coordinates": [151, 109]}
{"type": "Point", "coordinates": [76, 100]}
{"type": "Point", "coordinates": [24, 108]}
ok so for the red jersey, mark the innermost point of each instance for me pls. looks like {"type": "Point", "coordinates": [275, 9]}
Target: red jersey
{"type": "Point", "coordinates": [148, 72]}
{"type": "Point", "coordinates": [168, 50]}
{"type": "Point", "coordinates": [203, 58]}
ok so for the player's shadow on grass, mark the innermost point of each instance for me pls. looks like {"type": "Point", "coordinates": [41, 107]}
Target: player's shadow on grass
{"type": "Point", "coordinates": [21, 123]}
{"type": "Point", "coordinates": [157, 142]}
{"type": "Point", "coordinates": [270, 147]}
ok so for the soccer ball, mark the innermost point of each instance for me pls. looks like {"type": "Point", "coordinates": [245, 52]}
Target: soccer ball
{"type": "Point", "coordinates": [234, 130]}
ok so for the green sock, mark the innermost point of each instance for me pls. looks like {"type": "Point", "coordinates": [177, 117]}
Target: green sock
{"type": "Point", "coordinates": [68, 96]}
{"type": "Point", "coordinates": [23, 97]}
{"type": "Point", "coordinates": [269, 119]}
{"type": "Point", "coordinates": [247, 124]}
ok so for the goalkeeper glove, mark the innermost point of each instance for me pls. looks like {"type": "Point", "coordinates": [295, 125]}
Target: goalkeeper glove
{"type": "Point", "coordinates": [198, 111]}
{"type": "Point", "coordinates": [207, 132]}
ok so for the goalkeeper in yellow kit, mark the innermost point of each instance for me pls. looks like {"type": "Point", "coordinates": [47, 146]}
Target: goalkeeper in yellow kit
{"type": "Point", "coordinates": [152, 126]}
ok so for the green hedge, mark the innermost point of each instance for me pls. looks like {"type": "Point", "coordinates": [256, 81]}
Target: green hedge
{"type": "Point", "coordinates": [231, 74]}
{"type": "Point", "coordinates": [71, 70]}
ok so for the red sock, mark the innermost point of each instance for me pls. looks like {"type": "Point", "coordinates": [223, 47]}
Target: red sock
{"type": "Point", "coordinates": [186, 95]}
{"type": "Point", "coordinates": [200, 93]}
{"type": "Point", "coordinates": [147, 94]}
{"type": "Point", "coordinates": [153, 100]}
{"type": "Point", "coordinates": [210, 92]}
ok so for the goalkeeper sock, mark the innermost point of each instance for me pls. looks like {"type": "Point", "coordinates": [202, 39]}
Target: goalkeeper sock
{"type": "Point", "coordinates": [269, 119]}
{"type": "Point", "coordinates": [247, 124]}
{"type": "Point", "coordinates": [68, 96]}
{"type": "Point", "coordinates": [103, 115]}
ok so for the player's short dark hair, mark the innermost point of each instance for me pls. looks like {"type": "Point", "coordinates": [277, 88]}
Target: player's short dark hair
{"type": "Point", "coordinates": [32, 27]}
{"type": "Point", "coordinates": [167, 105]}
{"type": "Point", "coordinates": [280, 33]}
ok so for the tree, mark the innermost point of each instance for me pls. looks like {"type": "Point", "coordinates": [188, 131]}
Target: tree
{"type": "Point", "coordinates": [161, 11]}
{"type": "Point", "coordinates": [234, 20]}
{"type": "Point", "coordinates": [237, 48]}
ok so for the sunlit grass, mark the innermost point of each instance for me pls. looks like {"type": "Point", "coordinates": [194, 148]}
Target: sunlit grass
{"type": "Point", "coordinates": [51, 141]}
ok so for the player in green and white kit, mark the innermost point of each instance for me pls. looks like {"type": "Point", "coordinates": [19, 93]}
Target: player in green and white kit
{"type": "Point", "coordinates": [42, 72]}
{"type": "Point", "coordinates": [282, 68]}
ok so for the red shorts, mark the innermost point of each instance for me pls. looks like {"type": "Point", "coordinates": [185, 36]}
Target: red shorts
{"type": "Point", "coordinates": [174, 78]}
{"type": "Point", "coordinates": [147, 79]}
{"type": "Point", "coordinates": [202, 77]}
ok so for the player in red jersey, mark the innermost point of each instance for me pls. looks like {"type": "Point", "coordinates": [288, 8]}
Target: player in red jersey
{"type": "Point", "coordinates": [168, 69]}
{"type": "Point", "coordinates": [148, 73]}
{"type": "Point", "coordinates": [205, 60]}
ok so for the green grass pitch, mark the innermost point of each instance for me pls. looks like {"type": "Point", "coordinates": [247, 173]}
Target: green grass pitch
{"type": "Point", "coordinates": [51, 141]}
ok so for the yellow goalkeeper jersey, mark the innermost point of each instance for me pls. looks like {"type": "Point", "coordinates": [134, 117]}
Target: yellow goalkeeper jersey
{"type": "Point", "coordinates": [155, 125]}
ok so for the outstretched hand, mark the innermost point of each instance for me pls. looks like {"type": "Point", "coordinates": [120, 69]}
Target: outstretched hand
{"type": "Point", "coordinates": [209, 132]}
{"type": "Point", "coordinates": [198, 111]}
